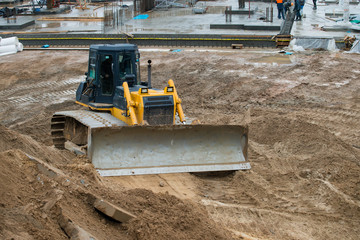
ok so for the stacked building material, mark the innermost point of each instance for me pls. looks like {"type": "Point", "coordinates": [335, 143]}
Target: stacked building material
{"type": "Point", "coordinates": [10, 46]}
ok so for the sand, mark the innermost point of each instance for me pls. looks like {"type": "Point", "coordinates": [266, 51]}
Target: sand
{"type": "Point", "coordinates": [303, 112]}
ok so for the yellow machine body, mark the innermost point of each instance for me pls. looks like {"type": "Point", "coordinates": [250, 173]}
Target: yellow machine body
{"type": "Point", "coordinates": [131, 128]}
{"type": "Point", "coordinates": [134, 114]}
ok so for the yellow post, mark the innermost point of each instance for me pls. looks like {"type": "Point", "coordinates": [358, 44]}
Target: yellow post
{"type": "Point", "coordinates": [177, 102]}
{"type": "Point", "coordinates": [130, 104]}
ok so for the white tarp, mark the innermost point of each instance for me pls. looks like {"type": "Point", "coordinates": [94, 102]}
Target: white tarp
{"type": "Point", "coordinates": [301, 44]}
{"type": "Point", "coordinates": [10, 46]}
{"type": "Point", "coordinates": [356, 47]}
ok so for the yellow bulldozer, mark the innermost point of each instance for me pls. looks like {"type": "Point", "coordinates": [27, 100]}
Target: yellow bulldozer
{"type": "Point", "coordinates": [130, 128]}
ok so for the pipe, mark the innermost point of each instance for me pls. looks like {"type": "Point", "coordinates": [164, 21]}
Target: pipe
{"type": "Point", "coordinates": [19, 47]}
{"type": "Point", "coordinates": [9, 41]}
{"type": "Point", "coordinates": [9, 49]}
{"type": "Point", "coordinates": [149, 74]}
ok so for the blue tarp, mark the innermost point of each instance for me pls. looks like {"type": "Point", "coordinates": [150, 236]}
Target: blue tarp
{"type": "Point", "coordinates": [142, 16]}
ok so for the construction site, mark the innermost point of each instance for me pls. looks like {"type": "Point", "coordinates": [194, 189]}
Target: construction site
{"type": "Point", "coordinates": [174, 119]}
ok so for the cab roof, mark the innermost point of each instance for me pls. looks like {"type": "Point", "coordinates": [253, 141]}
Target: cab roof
{"type": "Point", "coordinates": [114, 47]}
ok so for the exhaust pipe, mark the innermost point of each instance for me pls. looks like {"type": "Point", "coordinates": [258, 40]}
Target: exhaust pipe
{"type": "Point", "coordinates": [149, 73]}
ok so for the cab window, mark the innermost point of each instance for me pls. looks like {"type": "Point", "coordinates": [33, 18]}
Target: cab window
{"type": "Point", "coordinates": [125, 66]}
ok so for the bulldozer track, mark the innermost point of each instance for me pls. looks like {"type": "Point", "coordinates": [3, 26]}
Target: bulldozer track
{"type": "Point", "coordinates": [87, 119]}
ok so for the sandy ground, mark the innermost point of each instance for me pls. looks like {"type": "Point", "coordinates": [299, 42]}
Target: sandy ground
{"type": "Point", "coordinates": [303, 112]}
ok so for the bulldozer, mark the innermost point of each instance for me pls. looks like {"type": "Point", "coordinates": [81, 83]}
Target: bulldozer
{"type": "Point", "coordinates": [129, 128]}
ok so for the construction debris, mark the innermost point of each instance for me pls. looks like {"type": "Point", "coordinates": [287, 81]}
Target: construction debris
{"type": "Point", "coordinates": [113, 211]}
{"type": "Point", "coordinates": [355, 47]}
{"type": "Point", "coordinates": [74, 231]}
{"type": "Point", "coordinates": [239, 46]}
{"type": "Point", "coordinates": [349, 41]}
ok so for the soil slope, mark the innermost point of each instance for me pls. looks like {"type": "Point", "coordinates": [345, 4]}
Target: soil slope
{"type": "Point", "coordinates": [303, 112]}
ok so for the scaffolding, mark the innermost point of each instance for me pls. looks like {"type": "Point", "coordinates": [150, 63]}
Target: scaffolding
{"type": "Point", "coordinates": [115, 16]}
{"type": "Point", "coordinates": [81, 4]}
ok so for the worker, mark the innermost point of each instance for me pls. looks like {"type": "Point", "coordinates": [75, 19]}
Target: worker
{"type": "Point", "coordinates": [280, 7]}
{"type": "Point", "coordinates": [297, 9]}
{"type": "Point", "coordinates": [302, 4]}
{"type": "Point", "coordinates": [287, 6]}
{"type": "Point", "coordinates": [314, 2]}
{"type": "Point", "coordinates": [106, 75]}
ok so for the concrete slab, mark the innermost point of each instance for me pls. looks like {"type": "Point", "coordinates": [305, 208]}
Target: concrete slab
{"type": "Point", "coordinates": [45, 168]}
{"type": "Point", "coordinates": [227, 26]}
{"type": "Point", "coordinates": [242, 11]}
{"type": "Point", "coordinates": [336, 28]}
{"type": "Point", "coordinates": [262, 27]}
{"type": "Point", "coordinates": [15, 23]}
{"type": "Point", "coordinates": [184, 21]}
{"type": "Point", "coordinates": [72, 230]}
{"type": "Point", "coordinates": [245, 27]}
{"type": "Point", "coordinates": [113, 211]}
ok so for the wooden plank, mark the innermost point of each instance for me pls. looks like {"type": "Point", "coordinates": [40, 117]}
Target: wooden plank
{"type": "Point", "coordinates": [113, 211]}
{"type": "Point", "coordinates": [90, 19]}
{"type": "Point", "coordinates": [238, 46]}
{"type": "Point", "coordinates": [72, 230]}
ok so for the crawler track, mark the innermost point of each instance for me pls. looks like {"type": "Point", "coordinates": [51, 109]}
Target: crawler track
{"type": "Point", "coordinates": [73, 125]}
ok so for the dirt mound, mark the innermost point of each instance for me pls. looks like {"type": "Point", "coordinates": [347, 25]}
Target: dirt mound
{"type": "Point", "coordinates": [14, 140]}
{"type": "Point", "coordinates": [32, 200]}
{"type": "Point", "coordinates": [25, 75]}
{"type": "Point", "coordinates": [22, 200]}
{"type": "Point", "coordinates": [40, 122]}
{"type": "Point", "coordinates": [307, 150]}
{"type": "Point", "coordinates": [303, 112]}
{"type": "Point", "coordinates": [163, 216]}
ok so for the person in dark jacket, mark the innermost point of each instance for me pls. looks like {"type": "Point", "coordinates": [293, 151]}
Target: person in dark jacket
{"type": "Point", "coordinates": [287, 6]}
{"type": "Point", "coordinates": [297, 9]}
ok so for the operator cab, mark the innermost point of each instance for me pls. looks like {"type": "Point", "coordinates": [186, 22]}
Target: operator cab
{"type": "Point", "coordinates": [109, 66]}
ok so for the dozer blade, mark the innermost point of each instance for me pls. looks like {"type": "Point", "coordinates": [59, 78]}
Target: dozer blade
{"type": "Point", "coordinates": [134, 150]}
